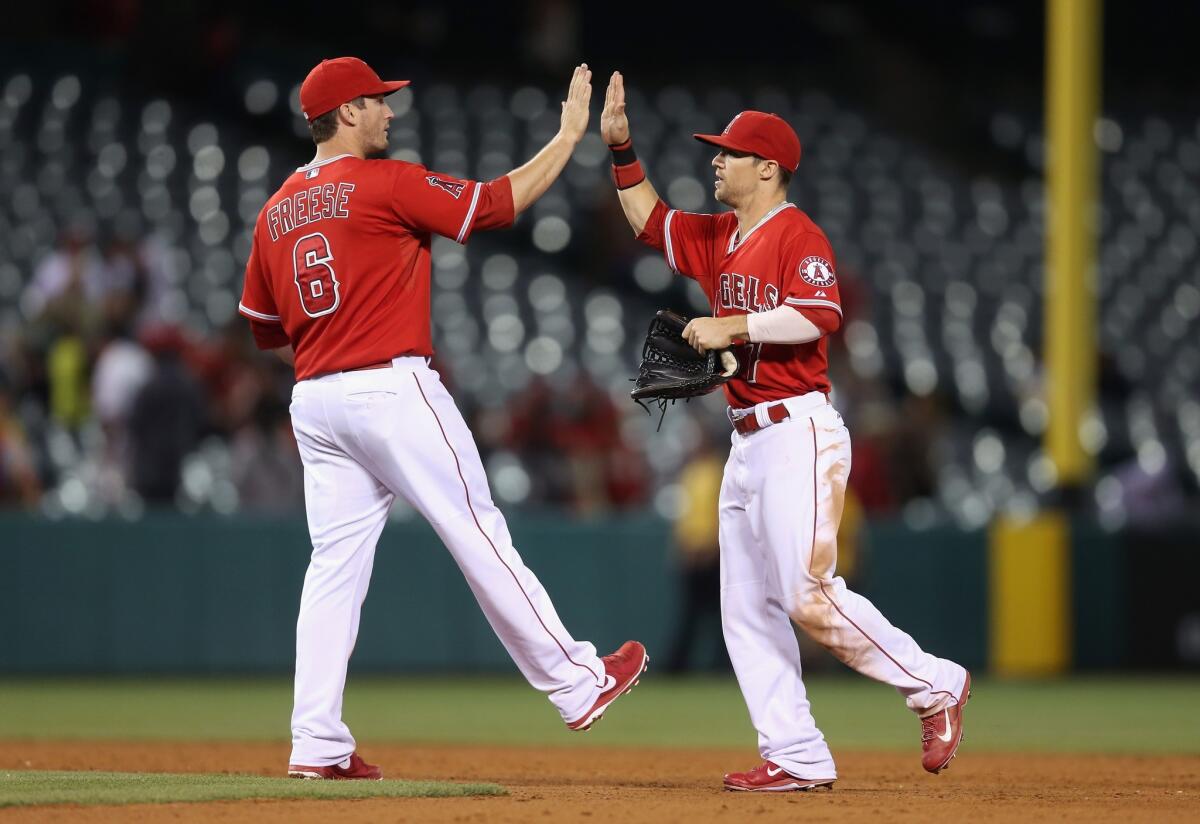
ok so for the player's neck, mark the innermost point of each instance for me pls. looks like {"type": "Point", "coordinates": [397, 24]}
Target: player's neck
{"type": "Point", "coordinates": [337, 146]}
{"type": "Point", "coordinates": [751, 213]}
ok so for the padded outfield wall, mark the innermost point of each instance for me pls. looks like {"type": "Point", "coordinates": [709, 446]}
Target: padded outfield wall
{"type": "Point", "coordinates": [177, 594]}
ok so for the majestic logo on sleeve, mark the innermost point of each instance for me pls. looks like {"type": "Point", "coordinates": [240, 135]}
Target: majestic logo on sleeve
{"type": "Point", "coordinates": [816, 271]}
{"type": "Point", "coordinates": [453, 188]}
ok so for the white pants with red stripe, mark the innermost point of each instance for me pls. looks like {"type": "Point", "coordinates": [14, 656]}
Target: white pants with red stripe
{"type": "Point", "coordinates": [781, 503]}
{"type": "Point", "coordinates": [366, 437]}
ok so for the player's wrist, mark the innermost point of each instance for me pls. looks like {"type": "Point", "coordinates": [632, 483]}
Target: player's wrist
{"type": "Point", "coordinates": [627, 170]}
{"type": "Point", "coordinates": [623, 153]}
{"type": "Point", "coordinates": [569, 136]}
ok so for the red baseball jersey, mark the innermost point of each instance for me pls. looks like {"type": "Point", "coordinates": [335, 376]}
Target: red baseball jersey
{"type": "Point", "coordinates": [785, 259]}
{"type": "Point", "coordinates": [340, 263]}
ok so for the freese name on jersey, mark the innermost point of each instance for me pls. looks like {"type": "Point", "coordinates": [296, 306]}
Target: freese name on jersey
{"type": "Point", "coordinates": [340, 264]}
{"type": "Point", "coordinates": [324, 202]}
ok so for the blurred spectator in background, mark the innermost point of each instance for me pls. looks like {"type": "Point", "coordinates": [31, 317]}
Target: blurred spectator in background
{"type": "Point", "coordinates": [585, 431]}
{"type": "Point", "coordinates": [530, 432]}
{"type": "Point", "coordinates": [871, 470]}
{"type": "Point", "coordinates": [158, 268]}
{"type": "Point", "coordinates": [698, 557]}
{"type": "Point", "coordinates": [569, 441]}
{"type": "Point", "coordinates": [19, 482]}
{"type": "Point", "coordinates": [917, 441]}
{"type": "Point", "coordinates": [123, 278]}
{"type": "Point", "coordinates": [627, 476]}
{"type": "Point", "coordinates": [166, 421]}
{"type": "Point", "coordinates": [72, 275]}
{"type": "Point", "coordinates": [67, 376]}
{"type": "Point", "coordinates": [122, 369]}
{"type": "Point", "coordinates": [266, 463]}
{"type": "Point", "coordinates": [235, 377]}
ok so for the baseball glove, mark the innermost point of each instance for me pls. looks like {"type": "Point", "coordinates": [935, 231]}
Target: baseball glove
{"type": "Point", "coordinates": [671, 369]}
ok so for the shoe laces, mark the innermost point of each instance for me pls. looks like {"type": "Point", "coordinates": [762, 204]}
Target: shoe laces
{"type": "Point", "coordinates": [929, 728]}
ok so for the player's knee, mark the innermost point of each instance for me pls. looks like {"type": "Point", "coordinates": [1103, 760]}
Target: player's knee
{"type": "Point", "coordinates": [809, 609]}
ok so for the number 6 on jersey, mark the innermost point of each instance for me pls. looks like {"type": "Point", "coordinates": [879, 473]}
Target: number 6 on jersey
{"type": "Point", "coordinates": [315, 280]}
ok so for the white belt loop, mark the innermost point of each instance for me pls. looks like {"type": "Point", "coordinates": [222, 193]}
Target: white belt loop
{"type": "Point", "coordinates": [410, 363]}
{"type": "Point", "coordinates": [760, 413]}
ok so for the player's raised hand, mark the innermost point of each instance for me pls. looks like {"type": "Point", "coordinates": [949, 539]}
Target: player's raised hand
{"type": "Point", "coordinates": [575, 107]}
{"type": "Point", "coordinates": [614, 125]}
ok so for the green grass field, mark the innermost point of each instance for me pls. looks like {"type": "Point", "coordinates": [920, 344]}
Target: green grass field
{"type": "Point", "coordinates": [22, 788]}
{"type": "Point", "coordinates": [1091, 715]}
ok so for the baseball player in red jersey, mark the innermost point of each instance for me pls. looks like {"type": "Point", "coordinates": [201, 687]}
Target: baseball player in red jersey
{"type": "Point", "coordinates": [338, 284]}
{"type": "Point", "coordinates": [770, 276]}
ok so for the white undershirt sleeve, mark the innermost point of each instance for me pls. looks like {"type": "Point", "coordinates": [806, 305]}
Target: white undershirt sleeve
{"type": "Point", "coordinates": [781, 325]}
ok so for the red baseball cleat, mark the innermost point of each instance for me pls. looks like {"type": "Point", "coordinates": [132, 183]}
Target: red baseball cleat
{"type": "Point", "coordinates": [358, 770]}
{"type": "Point", "coordinates": [622, 670]}
{"type": "Point", "coordinates": [942, 732]}
{"type": "Point", "coordinates": [769, 777]}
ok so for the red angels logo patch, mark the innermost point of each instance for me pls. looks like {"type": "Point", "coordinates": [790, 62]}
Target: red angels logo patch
{"type": "Point", "coordinates": [817, 271]}
{"type": "Point", "coordinates": [453, 188]}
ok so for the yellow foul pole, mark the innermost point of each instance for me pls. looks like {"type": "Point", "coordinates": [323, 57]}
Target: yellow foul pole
{"type": "Point", "coordinates": [1072, 104]}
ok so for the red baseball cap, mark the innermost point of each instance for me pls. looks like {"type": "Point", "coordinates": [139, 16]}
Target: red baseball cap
{"type": "Point", "coordinates": [334, 82]}
{"type": "Point", "coordinates": [758, 133]}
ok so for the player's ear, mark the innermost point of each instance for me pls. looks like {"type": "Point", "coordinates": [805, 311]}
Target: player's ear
{"type": "Point", "coordinates": [767, 169]}
{"type": "Point", "coordinates": [348, 114]}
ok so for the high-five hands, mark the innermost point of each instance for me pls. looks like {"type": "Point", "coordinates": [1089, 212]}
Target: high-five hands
{"type": "Point", "coordinates": [614, 125]}
{"type": "Point", "coordinates": [575, 107]}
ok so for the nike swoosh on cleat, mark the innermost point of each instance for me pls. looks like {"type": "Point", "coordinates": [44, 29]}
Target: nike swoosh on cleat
{"type": "Point", "coordinates": [774, 772]}
{"type": "Point", "coordinates": [949, 731]}
{"type": "Point", "coordinates": [609, 683]}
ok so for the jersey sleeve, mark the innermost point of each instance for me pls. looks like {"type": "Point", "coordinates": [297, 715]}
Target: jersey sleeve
{"type": "Point", "coordinates": [258, 304]}
{"type": "Point", "coordinates": [686, 239]}
{"type": "Point", "coordinates": [268, 335]}
{"type": "Point", "coordinates": [426, 201]}
{"type": "Point", "coordinates": [812, 286]}
{"type": "Point", "coordinates": [257, 301]}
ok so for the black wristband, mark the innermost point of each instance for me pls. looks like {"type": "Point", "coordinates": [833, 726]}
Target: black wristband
{"type": "Point", "coordinates": [623, 153]}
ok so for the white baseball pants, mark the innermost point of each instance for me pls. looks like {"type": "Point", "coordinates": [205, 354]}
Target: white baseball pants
{"type": "Point", "coordinates": [366, 437]}
{"type": "Point", "coordinates": [780, 506]}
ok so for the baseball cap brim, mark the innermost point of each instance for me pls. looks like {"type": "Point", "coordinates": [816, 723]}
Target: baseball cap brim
{"type": "Point", "coordinates": [388, 86]}
{"type": "Point", "coordinates": [722, 141]}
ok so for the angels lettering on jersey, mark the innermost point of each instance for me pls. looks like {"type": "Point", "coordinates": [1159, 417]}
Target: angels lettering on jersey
{"type": "Point", "coordinates": [784, 259]}
{"type": "Point", "coordinates": [746, 293]}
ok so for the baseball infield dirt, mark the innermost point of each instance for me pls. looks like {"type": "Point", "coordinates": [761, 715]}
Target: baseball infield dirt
{"type": "Point", "coordinates": [631, 786]}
